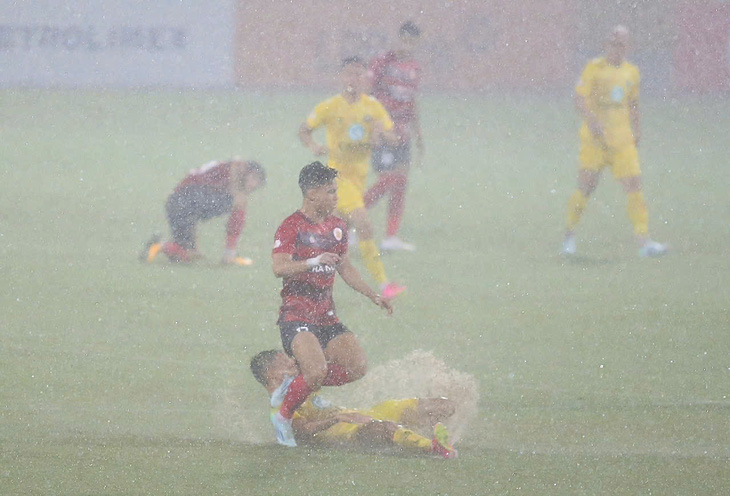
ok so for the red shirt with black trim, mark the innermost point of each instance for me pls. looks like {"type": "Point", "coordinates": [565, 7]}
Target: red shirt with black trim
{"type": "Point", "coordinates": [307, 296]}
{"type": "Point", "coordinates": [213, 174]}
{"type": "Point", "coordinates": [394, 84]}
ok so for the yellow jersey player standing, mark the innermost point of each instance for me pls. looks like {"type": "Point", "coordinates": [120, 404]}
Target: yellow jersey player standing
{"type": "Point", "coordinates": [607, 98]}
{"type": "Point", "coordinates": [355, 123]}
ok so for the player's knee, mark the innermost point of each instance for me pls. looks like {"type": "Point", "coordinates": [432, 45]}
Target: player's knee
{"type": "Point", "coordinates": [357, 370]}
{"type": "Point", "coordinates": [314, 375]}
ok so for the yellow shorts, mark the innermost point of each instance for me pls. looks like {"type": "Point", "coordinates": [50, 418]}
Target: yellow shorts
{"type": "Point", "coordinates": [391, 410]}
{"type": "Point", "coordinates": [349, 196]}
{"type": "Point", "coordinates": [624, 160]}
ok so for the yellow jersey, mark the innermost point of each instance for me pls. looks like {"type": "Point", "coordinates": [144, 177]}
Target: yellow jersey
{"type": "Point", "coordinates": [349, 130]}
{"type": "Point", "coordinates": [609, 91]}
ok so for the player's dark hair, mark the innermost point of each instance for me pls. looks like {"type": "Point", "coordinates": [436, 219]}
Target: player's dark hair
{"type": "Point", "coordinates": [260, 364]}
{"type": "Point", "coordinates": [256, 168]}
{"type": "Point", "coordinates": [352, 60]}
{"type": "Point", "coordinates": [409, 28]}
{"type": "Point", "coordinates": [315, 175]}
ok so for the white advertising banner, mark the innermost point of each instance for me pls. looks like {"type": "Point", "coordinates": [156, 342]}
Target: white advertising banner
{"type": "Point", "coordinates": [145, 43]}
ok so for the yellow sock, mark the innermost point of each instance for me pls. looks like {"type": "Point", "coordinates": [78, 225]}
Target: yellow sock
{"type": "Point", "coordinates": [371, 258]}
{"type": "Point", "coordinates": [576, 205]}
{"type": "Point", "coordinates": [408, 439]}
{"type": "Point", "coordinates": [638, 213]}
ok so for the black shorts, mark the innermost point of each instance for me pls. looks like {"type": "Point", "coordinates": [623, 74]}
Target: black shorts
{"type": "Point", "coordinates": [386, 158]}
{"type": "Point", "coordinates": [190, 205]}
{"type": "Point", "coordinates": [324, 334]}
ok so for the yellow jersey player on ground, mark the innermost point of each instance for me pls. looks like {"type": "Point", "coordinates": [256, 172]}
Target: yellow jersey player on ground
{"type": "Point", "coordinates": [392, 423]}
{"type": "Point", "coordinates": [607, 98]}
{"type": "Point", "coordinates": [355, 122]}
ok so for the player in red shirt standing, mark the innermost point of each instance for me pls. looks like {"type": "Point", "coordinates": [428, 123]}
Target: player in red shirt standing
{"type": "Point", "coordinates": [394, 77]}
{"type": "Point", "coordinates": [309, 247]}
{"type": "Point", "coordinates": [211, 190]}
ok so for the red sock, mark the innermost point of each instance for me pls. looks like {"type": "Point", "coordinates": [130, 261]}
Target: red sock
{"type": "Point", "coordinates": [381, 186]}
{"type": "Point", "coordinates": [397, 203]}
{"type": "Point", "coordinates": [297, 394]}
{"type": "Point", "coordinates": [234, 227]}
{"type": "Point", "coordinates": [336, 375]}
{"type": "Point", "coordinates": [175, 252]}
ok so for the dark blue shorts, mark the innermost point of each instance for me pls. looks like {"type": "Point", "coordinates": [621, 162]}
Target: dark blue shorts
{"type": "Point", "coordinates": [386, 158]}
{"type": "Point", "coordinates": [324, 334]}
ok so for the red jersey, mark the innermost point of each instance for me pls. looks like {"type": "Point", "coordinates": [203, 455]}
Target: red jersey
{"type": "Point", "coordinates": [213, 174]}
{"type": "Point", "coordinates": [307, 296]}
{"type": "Point", "coordinates": [394, 84]}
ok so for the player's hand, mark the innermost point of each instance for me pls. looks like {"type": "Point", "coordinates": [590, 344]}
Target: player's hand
{"type": "Point", "coordinates": [331, 259]}
{"type": "Point", "coordinates": [383, 303]}
{"type": "Point", "coordinates": [353, 418]}
{"type": "Point", "coordinates": [597, 129]}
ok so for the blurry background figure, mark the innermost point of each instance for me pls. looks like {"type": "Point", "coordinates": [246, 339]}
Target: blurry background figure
{"type": "Point", "coordinates": [607, 98]}
{"type": "Point", "coordinates": [209, 191]}
{"type": "Point", "coordinates": [394, 77]}
{"type": "Point", "coordinates": [355, 123]}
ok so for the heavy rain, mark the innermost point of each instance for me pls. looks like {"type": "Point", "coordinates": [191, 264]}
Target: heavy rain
{"type": "Point", "coordinates": [421, 247]}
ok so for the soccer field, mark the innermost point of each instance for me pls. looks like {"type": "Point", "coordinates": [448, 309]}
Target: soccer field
{"type": "Point", "coordinates": [606, 374]}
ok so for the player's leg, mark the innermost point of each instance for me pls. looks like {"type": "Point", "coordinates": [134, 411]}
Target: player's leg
{"type": "Point", "coordinates": [180, 209]}
{"type": "Point", "coordinates": [627, 172]}
{"type": "Point", "coordinates": [345, 357]}
{"type": "Point", "coordinates": [592, 160]}
{"type": "Point", "coordinates": [351, 206]}
{"type": "Point", "coordinates": [382, 161]}
{"type": "Point", "coordinates": [396, 206]}
{"type": "Point", "coordinates": [299, 341]}
{"type": "Point", "coordinates": [384, 432]}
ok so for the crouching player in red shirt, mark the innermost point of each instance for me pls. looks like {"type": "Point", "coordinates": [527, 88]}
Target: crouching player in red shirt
{"type": "Point", "coordinates": [211, 190]}
{"type": "Point", "coordinates": [310, 246]}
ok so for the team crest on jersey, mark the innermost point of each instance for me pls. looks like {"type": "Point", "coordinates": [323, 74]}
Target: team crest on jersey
{"type": "Point", "coordinates": [617, 93]}
{"type": "Point", "coordinates": [356, 132]}
{"type": "Point", "coordinates": [338, 233]}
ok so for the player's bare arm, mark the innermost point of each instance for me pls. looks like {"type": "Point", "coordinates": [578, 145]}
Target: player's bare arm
{"type": "Point", "coordinates": [593, 123]}
{"type": "Point", "coordinates": [305, 136]}
{"type": "Point", "coordinates": [284, 265]}
{"type": "Point", "coordinates": [353, 279]}
{"type": "Point", "coordinates": [635, 115]}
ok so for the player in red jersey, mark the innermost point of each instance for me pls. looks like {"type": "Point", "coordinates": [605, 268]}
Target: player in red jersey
{"type": "Point", "coordinates": [394, 77]}
{"type": "Point", "coordinates": [209, 191]}
{"type": "Point", "coordinates": [310, 246]}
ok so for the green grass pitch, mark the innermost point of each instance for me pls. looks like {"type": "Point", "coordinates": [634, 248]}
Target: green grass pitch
{"type": "Point", "coordinates": [604, 375]}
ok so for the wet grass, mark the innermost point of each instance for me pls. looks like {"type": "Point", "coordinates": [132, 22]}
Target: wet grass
{"type": "Point", "coordinates": [602, 374]}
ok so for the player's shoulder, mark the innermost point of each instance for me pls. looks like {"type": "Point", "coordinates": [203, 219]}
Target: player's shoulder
{"type": "Point", "coordinates": [370, 101]}
{"type": "Point", "coordinates": [631, 67]}
{"type": "Point", "coordinates": [335, 221]}
{"type": "Point", "coordinates": [294, 219]}
{"type": "Point", "coordinates": [596, 63]}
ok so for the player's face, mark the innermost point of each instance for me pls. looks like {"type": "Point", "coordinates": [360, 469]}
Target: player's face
{"type": "Point", "coordinates": [284, 364]}
{"type": "Point", "coordinates": [617, 46]}
{"type": "Point", "coordinates": [252, 182]}
{"type": "Point", "coordinates": [324, 198]}
{"type": "Point", "coordinates": [353, 78]}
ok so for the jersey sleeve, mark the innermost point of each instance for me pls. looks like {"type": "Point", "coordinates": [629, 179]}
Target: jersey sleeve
{"type": "Point", "coordinates": [380, 114]}
{"type": "Point", "coordinates": [583, 87]}
{"type": "Point", "coordinates": [318, 116]}
{"type": "Point", "coordinates": [285, 238]}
